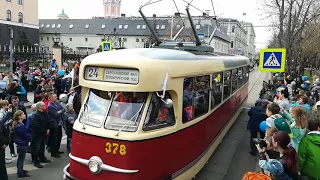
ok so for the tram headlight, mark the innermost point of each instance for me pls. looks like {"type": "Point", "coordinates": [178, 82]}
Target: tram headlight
{"type": "Point", "coordinates": [94, 166]}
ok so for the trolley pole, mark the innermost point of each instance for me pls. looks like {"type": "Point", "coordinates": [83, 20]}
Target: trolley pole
{"type": "Point", "coordinates": [11, 49]}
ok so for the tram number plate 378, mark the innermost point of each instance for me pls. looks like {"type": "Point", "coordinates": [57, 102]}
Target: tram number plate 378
{"type": "Point", "coordinates": [92, 73]}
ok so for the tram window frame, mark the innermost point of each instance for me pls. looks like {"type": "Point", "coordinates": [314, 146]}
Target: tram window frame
{"type": "Point", "coordinates": [214, 102]}
{"type": "Point", "coordinates": [246, 74]}
{"type": "Point", "coordinates": [191, 98]}
{"type": "Point", "coordinates": [226, 95]}
{"type": "Point", "coordinates": [240, 77]}
{"type": "Point", "coordinates": [154, 117]}
{"type": "Point", "coordinates": [234, 87]}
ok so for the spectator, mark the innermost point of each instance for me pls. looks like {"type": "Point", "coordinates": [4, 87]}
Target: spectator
{"type": "Point", "coordinates": [283, 101]}
{"type": "Point", "coordinates": [303, 102]}
{"type": "Point", "coordinates": [9, 78]}
{"type": "Point", "coordinates": [5, 118]}
{"type": "Point", "coordinates": [274, 169]}
{"type": "Point", "coordinates": [39, 130]}
{"type": "Point", "coordinates": [3, 144]}
{"type": "Point", "coordinates": [16, 106]}
{"type": "Point", "coordinates": [257, 115]}
{"type": "Point", "coordinates": [276, 120]}
{"type": "Point", "coordinates": [22, 139]}
{"type": "Point", "coordinates": [309, 149]}
{"type": "Point", "coordinates": [55, 112]}
{"type": "Point", "coordinates": [69, 117]}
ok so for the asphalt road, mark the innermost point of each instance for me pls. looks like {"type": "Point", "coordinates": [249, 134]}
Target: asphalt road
{"type": "Point", "coordinates": [229, 162]}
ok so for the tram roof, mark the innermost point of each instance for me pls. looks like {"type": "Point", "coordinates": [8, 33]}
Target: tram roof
{"type": "Point", "coordinates": [154, 63]}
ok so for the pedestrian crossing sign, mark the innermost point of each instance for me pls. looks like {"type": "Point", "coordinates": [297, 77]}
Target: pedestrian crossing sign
{"type": "Point", "coordinates": [106, 46]}
{"type": "Point", "coordinates": [272, 60]}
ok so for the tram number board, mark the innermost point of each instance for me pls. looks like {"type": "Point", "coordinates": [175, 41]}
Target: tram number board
{"type": "Point", "coordinates": [91, 73]}
{"type": "Point", "coordinates": [128, 76]}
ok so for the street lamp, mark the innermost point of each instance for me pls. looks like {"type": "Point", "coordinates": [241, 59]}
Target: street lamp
{"type": "Point", "coordinates": [56, 40]}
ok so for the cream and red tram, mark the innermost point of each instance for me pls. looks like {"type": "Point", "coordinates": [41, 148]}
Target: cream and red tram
{"type": "Point", "coordinates": [153, 113]}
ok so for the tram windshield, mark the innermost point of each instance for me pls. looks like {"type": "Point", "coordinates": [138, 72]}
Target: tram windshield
{"type": "Point", "coordinates": [119, 110]}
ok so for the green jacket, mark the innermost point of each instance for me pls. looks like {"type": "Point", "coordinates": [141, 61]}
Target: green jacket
{"type": "Point", "coordinates": [309, 155]}
{"type": "Point", "coordinates": [298, 133]}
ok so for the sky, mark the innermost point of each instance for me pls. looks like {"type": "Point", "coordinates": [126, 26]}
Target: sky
{"type": "Point", "coordinates": [83, 9]}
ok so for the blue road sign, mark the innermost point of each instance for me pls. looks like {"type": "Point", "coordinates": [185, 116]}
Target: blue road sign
{"type": "Point", "coordinates": [106, 46]}
{"type": "Point", "coordinates": [272, 60]}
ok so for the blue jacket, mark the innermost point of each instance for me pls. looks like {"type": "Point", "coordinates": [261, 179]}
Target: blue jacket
{"type": "Point", "coordinates": [28, 124]}
{"type": "Point", "coordinates": [23, 90]}
{"type": "Point", "coordinates": [55, 117]}
{"type": "Point", "coordinates": [257, 115]}
{"type": "Point", "coordinates": [21, 135]}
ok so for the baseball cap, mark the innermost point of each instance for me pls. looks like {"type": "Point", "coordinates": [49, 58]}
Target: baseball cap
{"type": "Point", "coordinates": [259, 101]}
{"type": "Point", "coordinates": [273, 166]}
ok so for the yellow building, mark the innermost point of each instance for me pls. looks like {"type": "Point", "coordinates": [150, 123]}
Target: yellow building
{"type": "Point", "coordinates": [21, 16]}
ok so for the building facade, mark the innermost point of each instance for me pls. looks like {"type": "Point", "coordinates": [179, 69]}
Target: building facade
{"type": "Point", "coordinates": [112, 8]}
{"type": "Point", "coordinates": [238, 36]}
{"type": "Point", "coordinates": [251, 36]}
{"type": "Point", "coordinates": [22, 17]}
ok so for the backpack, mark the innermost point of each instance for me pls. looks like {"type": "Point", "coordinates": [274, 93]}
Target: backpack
{"type": "Point", "coordinates": [255, 176]}
{"type": "Point", "coordinates": [282, 125]}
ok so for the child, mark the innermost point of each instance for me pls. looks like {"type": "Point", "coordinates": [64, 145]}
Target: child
{"type": "Point", "coordinates": [69, 117]}
{"type": "Point", "coordinates": [22, 139]}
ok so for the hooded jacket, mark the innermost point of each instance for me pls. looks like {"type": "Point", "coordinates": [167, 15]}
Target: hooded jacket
{"type": "Point", "coordinates": [257, 115]}
{"type": "Point", "coordinates": [309, 155]}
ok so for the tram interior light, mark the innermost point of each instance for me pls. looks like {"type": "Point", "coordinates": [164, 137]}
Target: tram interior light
{"type": "Point", "coordinates": [94, 166]}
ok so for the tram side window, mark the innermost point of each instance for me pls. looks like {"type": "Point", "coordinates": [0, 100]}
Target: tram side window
{"type": "Point", "coordinates": [234, 83]}
{"type": "Point", "coordinates": [216, 90]}
{"type": "Point", "coordinates": [158, 115]}
{"type": "Point", "coordinates": [226, 84]}
{"type": "Point", "coordinates": [195, 97]}
{"type": "Point", "coordinates": [240, 77]}
{"type": "Point", "coordinates": [245, 74]}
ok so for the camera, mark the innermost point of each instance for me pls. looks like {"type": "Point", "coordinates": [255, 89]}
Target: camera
{"type": "Point", "coordinates": [261, 142]}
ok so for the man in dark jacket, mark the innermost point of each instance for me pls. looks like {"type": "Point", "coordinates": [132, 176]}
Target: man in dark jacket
{"type": "Point", "coordinates": [39, 131]}
{"type": "Point", "coordinates": [3, 144]}
{"type": "Point", "coordinates": [16, 106]}
{"type": "Point", "coordinates": [257, 115]}
{"type": "Point", "coordinates": [55, 112]}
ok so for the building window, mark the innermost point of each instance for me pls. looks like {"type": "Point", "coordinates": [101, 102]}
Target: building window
{"type": "Point", "coordinates": [8, 15]}
{"type": "Point", "coordinates": [86, 39]}
{"type": "Point", "coordinates": [125, 26]}
{"type": "Point", "coordinates": [59, 26]}
{"type": "Point", "coordinates": [103, 26]}
{"type": "Point", "coordinates": [41, 38]}
{"type": "Point", "coordinates": [138, 26]}
{"type": "Point", "coordinates": [87, 26]}
{"type": "Point", "coordinates": [8, 0]}
{"type": "Point", "coordinates": [20, 17]}
{"type": "Point", "coordinates": [159, 116]}
{"type": "Point", "coordinates": [198, 27]}
{"type": "Point", "coordinates": [70, 39]}
{"type": "Point", "coordinates": [232, 44]}
{"type": "Point", "coordinates": [137, 40]}
{"type": "Point", "coordinates": [48, 39]}
{"type": "Point", "coordinates": [120, 26]}
{"type": "Point", "coordinates": [232, 30]}
{"type": "Point", "coordinates": [163, 26]}
{"type": "Point", "coordinates": [144, 26]}
{"type": "Point", "coordinates": [71, 26]}
{"type": "Point", "coordinates": [142, 40]}
{"type": "Point", "coordinates": [20, 2]}
{"type": "Point", "coordinates": [42, 25]}
{"type": "Point", "coordinates": [216, 90]}
{"type": "Point", "coordinates": [195, 97]}
{"type": "Point", "coordinates": [53, 26]}
{"type": "Point", "coordinates": [48, 26]}
{"type": "Point", "coordinates": [158, 26]}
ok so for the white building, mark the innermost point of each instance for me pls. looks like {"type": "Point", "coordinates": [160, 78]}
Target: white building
{"type": "Point", "coordinates": [112, 8]}
{"type": "Point", "coordinates": [238, 36]}
{"type": "Point", "coordinates": [251, 36]}
{"type": "Point", "coordinates": [86, 35]}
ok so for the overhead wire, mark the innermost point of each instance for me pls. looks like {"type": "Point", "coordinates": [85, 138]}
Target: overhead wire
{"type": "Point", "coordinates": [175, 4]}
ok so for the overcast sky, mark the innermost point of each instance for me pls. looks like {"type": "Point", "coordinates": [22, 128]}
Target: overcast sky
{"type": "Point", "coordinates": [77, 9]}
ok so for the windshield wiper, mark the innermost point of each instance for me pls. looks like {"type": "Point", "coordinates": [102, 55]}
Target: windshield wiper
{"type": "Point", "coordinates": [130, 120]}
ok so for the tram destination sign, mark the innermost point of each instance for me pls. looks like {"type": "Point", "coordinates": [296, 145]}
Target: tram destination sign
{"type": "Point", "coordinates": [128, 76]}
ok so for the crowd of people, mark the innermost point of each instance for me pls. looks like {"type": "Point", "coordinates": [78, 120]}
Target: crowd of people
{"type": "Point", "coordinates": [41, 129]}
{"type": "Point", "coordinates": [287, 118]}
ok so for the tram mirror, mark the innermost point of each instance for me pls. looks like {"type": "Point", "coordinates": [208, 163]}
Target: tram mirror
{"type": "Point", "coordinates": [169, 103]}
{"type": "Point", "coordinates": [63, 98]}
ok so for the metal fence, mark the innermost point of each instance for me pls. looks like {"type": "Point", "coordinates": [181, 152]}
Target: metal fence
{"type": "Point", "coordinates": [72, 58]}
{"type": "Point", "coordinates": [35, 56]}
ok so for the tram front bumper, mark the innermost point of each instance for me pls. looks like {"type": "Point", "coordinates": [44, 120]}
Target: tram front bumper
{"type": "Point", "coordinates": [66, 174]}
